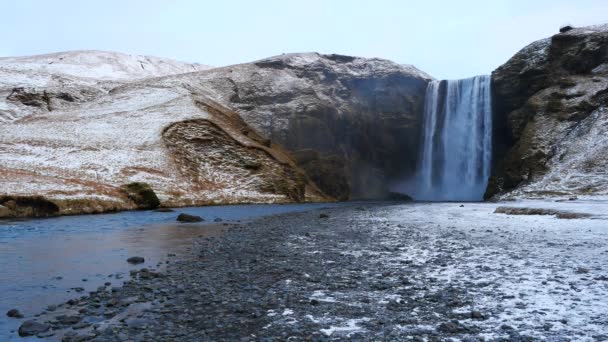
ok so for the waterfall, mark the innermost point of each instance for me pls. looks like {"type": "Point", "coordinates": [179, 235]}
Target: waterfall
{"type": "Point", "coordinates": [457, 141]}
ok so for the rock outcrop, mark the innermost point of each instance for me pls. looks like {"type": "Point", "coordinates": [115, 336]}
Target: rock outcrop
{"type": "Point", "coordinates": [551, 117]}
{"type": "Point", "coordinates": [361, 115]}
{"type": "Point", "coordinates": [77, 135]}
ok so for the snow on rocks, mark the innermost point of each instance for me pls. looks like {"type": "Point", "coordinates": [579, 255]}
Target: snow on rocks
{"type": "Point", "coordinates": [77, 125]}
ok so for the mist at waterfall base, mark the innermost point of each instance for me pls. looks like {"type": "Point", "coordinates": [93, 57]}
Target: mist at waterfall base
{"type": "Point", "coordinates": [456, 148]}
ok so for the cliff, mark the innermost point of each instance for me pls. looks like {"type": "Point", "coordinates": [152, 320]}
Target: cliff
{"type": "Point", "coordinates": [77, 128]}
{"type": "Point", "coordinates": [551, 118]}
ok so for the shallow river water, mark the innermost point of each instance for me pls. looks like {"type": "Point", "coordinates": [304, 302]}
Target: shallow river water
{"type": "Point", "coordinates": [47, 261]}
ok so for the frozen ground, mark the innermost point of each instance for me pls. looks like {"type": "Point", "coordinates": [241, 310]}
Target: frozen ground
{"type": "Point", "coordinates": [425, 271]}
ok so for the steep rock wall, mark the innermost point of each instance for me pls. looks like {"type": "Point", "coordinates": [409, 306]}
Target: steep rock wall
{"type": "Point", "coordinates": [361, 115]}
{"type": "Point", "coordinates": [550, 114]}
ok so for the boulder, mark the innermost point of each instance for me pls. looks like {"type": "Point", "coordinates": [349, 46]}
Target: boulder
{"type": "Point", "coordinates": [142, 194]}
{"type": "Point", "coordinates": [189, 218]}
{"type": "Point", "coordinates": [136, 260]}
{"type": "Point", "coordinates": [32, 328]}
{"type": "Point", "coordinates": [565, 28]}
{"type": "Point", "coordinates": [14, 313]}
{"type": "Point", "coordinates": [28, 206]}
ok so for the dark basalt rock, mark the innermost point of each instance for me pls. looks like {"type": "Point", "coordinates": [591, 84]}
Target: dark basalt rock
{"type": "Point", "coordinates": [32, 328]}
{"type": "Point", "coordinates": [136, 260]}
{"type": "Point", "coordinates": [14, 313]}
{"type": "Point", "coordinates": [189, 218]}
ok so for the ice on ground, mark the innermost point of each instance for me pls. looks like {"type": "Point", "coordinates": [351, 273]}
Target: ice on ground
{"type": "Point", "coordinates": [348, 327]}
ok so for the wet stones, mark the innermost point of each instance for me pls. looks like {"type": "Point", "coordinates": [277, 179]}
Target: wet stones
{"type": "Point", "coordinates": [81, 325]}
{"type": "Point", "coordinates": [32, 328]}
{"type": "Point", "coordinates": [477, 315]}
{"type": "Point", "coordinates": [68, 319]}
{"type": "Point", "coordinates": [189, 218]}
{"type": "Point", "coordinates": [136, 260]}
{"type": "Point", "coordinates": [453, 327]}
{"type": "Point", "coordinates": [14, 313]}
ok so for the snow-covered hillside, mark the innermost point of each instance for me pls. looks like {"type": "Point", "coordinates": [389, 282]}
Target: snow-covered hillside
{"type": "Point", "coordinates": [75, 127]}
{"type": "Point", "coordinates": [97, 65]}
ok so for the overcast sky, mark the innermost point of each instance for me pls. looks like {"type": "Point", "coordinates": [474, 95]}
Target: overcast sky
{"type": "Point", "coordinates": [447, 39]}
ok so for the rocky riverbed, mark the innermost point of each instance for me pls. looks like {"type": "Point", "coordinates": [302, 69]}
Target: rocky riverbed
{"type": "Point", "coordinates": [394, 272]}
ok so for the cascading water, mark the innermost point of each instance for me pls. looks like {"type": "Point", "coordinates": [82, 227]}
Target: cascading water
{"type": "Point", "coordinates": [457, 141]}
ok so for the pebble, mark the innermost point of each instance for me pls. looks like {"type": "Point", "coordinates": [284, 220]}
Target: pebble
{"type": "Point", "coordinates": [136, 260]}
{"type": "Point", "coordinates": [14, 313]}
{"type": "Point", "coordinates": [189, 218]}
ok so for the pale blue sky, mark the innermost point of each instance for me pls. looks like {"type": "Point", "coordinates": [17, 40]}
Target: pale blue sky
{"type": "Point", "coordinates": [448, 39]}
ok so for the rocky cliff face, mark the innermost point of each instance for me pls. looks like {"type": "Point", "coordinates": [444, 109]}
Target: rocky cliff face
{"type": "Point", "coordinates": [289, 128]}
{"type": "Point", "coordinates": [361, 116]}
{"type": "Point", "coordinates": [551, 117]}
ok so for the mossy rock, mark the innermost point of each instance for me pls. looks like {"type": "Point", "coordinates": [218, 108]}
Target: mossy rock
{"type": "Point", "coordinates": [28, 206]}
{"type": "Point", "coordinates": [142, 195]}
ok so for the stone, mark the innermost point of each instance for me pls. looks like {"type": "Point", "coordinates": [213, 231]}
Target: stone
{"type": "Point", "coordinates": [32, 328]}
{"type": "Point", "coordinates": [142, 195]}
{"type": "Point", "coordinates": [68, 319]}
{"type": "Point", "coordinates": [136, 260]}
{"type": "Point", "coordinates": [452, 327]}
{"type": "Point", "coordinates": [189, 218]}
{"type": "Point", "coordinates": [323, 216]}
{"type": "Point", "coordinates": [477, 315]}
{"type": "Point", "coordinates": [14, 313]}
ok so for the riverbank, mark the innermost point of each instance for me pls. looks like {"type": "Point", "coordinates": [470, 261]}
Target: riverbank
{"type": "Point", "coordinates": [410, 271]}
{"type": "Point", "coordinates": [27, 207]}
{"type": "Point", "coordinates": [52, 260]}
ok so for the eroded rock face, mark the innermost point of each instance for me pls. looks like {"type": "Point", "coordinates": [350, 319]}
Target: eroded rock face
{"type": "Point", "coordinates": [551, 117]}
{"type": "Point", "coordinates": [362, 114]}
{"type": "Point", "coordinates": [214, 160]}
{"type": "Point", "coordinates": [77, 134]}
